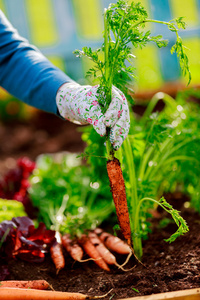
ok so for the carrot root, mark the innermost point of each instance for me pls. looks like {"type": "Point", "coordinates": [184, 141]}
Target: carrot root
{"type": "Point", "coordinates": [57, 256]}
{"type": "Point", "coordinates": [30, 294]}
{"type": "Point", "coordinates": [126, 261]}
{"type": "Point", "coordinates": [23, 284]}
{"type": "Point", "coordinates": [75, 251]}
{"type": "Point", "coordinates": [107, 256]}
{"type": "Point", "coordinates": [119, 197]}
{"type": "Point", "coordinates": [113, 242]}
{"type": "Point", "coordinates": [92, 252]}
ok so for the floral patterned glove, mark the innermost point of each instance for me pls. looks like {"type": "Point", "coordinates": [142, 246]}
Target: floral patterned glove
{"type": "Point", "coordinates": [79, 104]}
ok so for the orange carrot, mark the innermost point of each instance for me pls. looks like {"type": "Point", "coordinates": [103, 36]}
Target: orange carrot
{"type": "Point", "coordinates": [72, 248]}
{"type": "Point", "coordinates": [25, 284]}
{"type": "Point", "coordinates": [92, 252]}
{"type": "Point", "coordinates": [113, 242]}
{"type": "Point", "coordinates": [57, 256]}
{"type": "Point", "coordinates": [29, 294]}
{"type": "Point", "coordinates": [107, 256]}
{"type": "Point", "coordinates": [119, 197]}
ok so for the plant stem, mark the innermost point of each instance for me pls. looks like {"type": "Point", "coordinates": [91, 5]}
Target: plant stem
{"type": "Point", "coordinates": [133, 202]}
{"type": "Point", "coordinates": [165, 156]}
{"type": "Point", "coordinates": [109, 147]}
{"type": "Point", "coordinates": [108, 84]}
{"type": "Point", "coordinates": [160, 95]}
{"type": "Point", "coordinates": [131, 170]}
{"type": "Point", "coordinates": [146, 156]}
{"type": "Point", "coordinates": [137, 241]}
{"type": "Point", "coordinates": [106, 46]}
{"type": "Point", "coordinates": [153, 21]}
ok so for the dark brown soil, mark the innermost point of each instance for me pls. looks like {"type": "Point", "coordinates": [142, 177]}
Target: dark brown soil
{"type": "Point", "coordinates": [43, 133]}
{"type": "Point", "coordinates": [168, 267]}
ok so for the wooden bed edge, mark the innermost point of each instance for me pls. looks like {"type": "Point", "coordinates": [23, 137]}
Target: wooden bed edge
{"type": "Point", "coordinates": [189, 294]}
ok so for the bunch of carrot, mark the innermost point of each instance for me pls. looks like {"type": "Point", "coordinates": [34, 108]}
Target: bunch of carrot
{"type": "Point", "coordinates": [97, 244]}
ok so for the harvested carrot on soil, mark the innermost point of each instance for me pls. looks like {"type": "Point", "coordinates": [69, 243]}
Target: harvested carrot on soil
{"type": "Point", "coordinates": [119, 197]}
{"type": "Point", "coordinates": [112, 242]}
{"type": "Point", "coordinates": [91, 250]}
{"type": "Point", "coordinates": [29, 294]}
{"type": "Point", "coordinates": [107, 256]}
{"type": "Point", "coordinates": [57, 256]}
{"type": "Point", "coordinates": [75, 251]}
{"type": "Point", "coordinates": [23, 284]}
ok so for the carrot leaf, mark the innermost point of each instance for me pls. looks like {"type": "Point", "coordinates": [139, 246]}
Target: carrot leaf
{"type": "Point", "coordinates": [180, 222]}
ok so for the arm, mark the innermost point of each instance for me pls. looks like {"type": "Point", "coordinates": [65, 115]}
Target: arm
{"type": "Point", "coordinates": [25, 72]}
{"type": "Point", "coordinates": [29, 76]}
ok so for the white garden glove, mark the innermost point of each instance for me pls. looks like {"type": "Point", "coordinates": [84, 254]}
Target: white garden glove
{"type": "Point", "coordinates": [79, 104]}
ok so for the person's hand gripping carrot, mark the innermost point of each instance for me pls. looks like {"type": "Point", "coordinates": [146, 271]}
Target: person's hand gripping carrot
{"type": "Point", "coordinates": [79, 104]}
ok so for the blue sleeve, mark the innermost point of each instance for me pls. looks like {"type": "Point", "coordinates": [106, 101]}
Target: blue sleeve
{"type": "Point", "coordinates": [25, 72]}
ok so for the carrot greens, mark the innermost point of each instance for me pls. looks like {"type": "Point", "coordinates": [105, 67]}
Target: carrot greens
{"type": "Point", "coordinates": [124, 30]}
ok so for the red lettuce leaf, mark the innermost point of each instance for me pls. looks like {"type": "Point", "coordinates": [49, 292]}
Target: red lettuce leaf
{"type": "Point", "coordinates": [21, 239]}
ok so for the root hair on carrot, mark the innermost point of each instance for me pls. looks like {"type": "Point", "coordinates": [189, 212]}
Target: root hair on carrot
{"type": "Point", "coordinates": [126, 261]}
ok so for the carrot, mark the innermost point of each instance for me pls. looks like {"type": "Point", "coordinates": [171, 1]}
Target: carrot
{"type": "Point", "coordinates": [72, 248]}
{"type": "Point", "coordinates": [57, 256]}
{"type": "Point", "coordinates": [29, 294]}
{"type": "Point", "coordinates": [119, 197]}
{"type": "Point", "coordinates": [113, 242]}
{"type": "Point", "coordinates": [25, 284]}
{"type": "Point", "coordinates": [92, 252]}
{"type": "Point", "coordinates": [107, 256]}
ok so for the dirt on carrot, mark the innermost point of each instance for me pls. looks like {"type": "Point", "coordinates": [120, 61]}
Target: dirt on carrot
{"type": "Point", "coordinates": [119, 197]}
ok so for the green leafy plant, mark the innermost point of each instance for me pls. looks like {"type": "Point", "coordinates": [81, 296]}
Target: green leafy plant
{"type": "Point", "coordinates": [67, 198]}
{"type": "Point", "coordinates": [160, 155]}
{"type": "Point", "coordinates": [10, 209]}
{"type": "Point", "coordinates": [124, 30]}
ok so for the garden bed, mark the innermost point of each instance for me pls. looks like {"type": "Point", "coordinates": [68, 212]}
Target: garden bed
{"type": "Point", "coordinates": [168, 267]}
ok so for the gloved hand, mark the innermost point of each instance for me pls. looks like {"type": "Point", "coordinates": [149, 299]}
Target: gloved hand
{"type": "Point", "coordinates": [79, 104]}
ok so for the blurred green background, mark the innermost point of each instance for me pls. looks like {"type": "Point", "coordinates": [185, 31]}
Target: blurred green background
{"type": "Point", "coordinates": [58, 27]}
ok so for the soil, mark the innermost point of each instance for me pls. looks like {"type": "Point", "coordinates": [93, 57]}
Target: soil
{"type": "Point", "coordinates": [42, 133]}
{"type": "Point", "coordinates": [166, 267]}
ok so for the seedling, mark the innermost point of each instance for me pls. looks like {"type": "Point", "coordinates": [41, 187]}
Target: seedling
{"type": "Point", "coordinates": [135, 290]}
